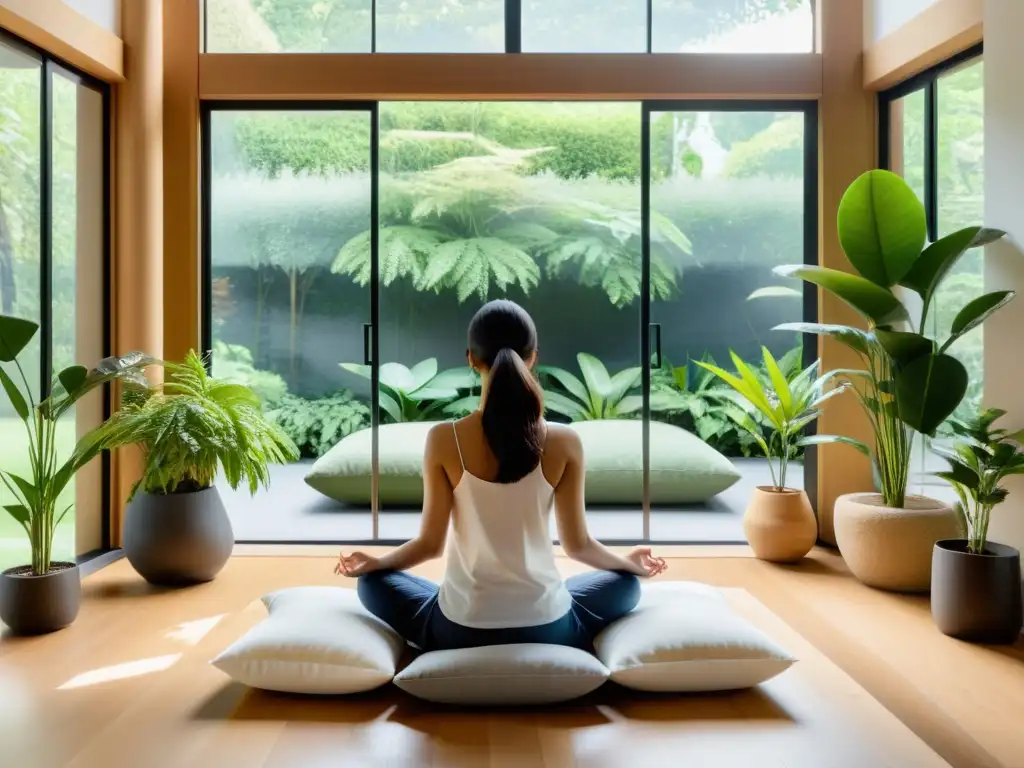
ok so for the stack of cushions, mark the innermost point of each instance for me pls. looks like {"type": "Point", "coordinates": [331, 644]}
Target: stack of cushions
{"type": "Point", "coordinates": [682, 637]}
{"type": "Point", "coordinates": [684, 469]}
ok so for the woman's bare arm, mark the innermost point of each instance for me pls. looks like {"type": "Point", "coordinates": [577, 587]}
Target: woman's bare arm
{"type": "Point", "coordinates": [437, 510]}
{"type": "Point", "coordinates": [571, 517]}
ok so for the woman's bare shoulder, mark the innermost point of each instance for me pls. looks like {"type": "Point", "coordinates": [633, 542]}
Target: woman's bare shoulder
{"type": "Point", "coordinates": [562, 440]}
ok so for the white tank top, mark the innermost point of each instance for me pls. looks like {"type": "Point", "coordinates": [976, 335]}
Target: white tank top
{"type": "Point", "coordinates": [501, 566]}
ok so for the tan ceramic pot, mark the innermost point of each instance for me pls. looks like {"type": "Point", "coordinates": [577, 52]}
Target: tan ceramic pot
{"type": "Point", "coordinates": [780, 525]}
{"type": "Point", "coordinates": [892, 548]}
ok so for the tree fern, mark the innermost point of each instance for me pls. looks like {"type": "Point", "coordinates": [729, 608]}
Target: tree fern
{"type": "Point", "coordinates": [470, 267]}
{"type": "Point", "coordinates": [194, 425]}
{"type": "Point", "coordinates": [404, 253]}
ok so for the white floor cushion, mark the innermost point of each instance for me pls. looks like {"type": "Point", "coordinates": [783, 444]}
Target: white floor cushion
{"type": "Point", "coordinates": [684, 637]}
{"type": "Point", "coordinates": [503, 675]}
{"type": "Point", "coordinates": [315, 640]}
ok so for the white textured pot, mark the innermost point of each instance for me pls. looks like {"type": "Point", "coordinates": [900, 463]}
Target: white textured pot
{"type": "Point", "coordinates": [892, 548]}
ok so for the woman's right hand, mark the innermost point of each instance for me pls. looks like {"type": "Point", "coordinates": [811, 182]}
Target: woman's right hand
{"type": "Point", "coordinates": [646, 564]}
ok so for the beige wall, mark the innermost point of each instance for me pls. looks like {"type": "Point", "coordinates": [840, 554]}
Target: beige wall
{"type": "Point", "coordinates": [1004, 208]}
{"type": "Point", "coordinates": [105, 13]}
{"type": "Point", "coordinates": [884, 16]}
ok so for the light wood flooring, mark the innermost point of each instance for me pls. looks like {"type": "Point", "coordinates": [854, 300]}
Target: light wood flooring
{"type": "Point", "coordinates": [129, 685]}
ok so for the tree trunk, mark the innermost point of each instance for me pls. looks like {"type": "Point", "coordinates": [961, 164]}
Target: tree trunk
{"type": "Point", "coordinates": [293, 332]}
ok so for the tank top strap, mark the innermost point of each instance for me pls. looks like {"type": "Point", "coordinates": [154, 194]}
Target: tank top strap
{"type": "Point", "coordinates": [458, 447]}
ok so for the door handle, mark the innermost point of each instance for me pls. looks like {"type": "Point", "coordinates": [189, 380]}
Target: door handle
{"type": "Point", "coordinates": [367, 327]}
{"type": "Point", "coordinates": [656, 340]}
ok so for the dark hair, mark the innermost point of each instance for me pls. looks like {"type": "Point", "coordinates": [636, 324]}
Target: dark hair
{"type": "Point", "coordinates": [502, 336]}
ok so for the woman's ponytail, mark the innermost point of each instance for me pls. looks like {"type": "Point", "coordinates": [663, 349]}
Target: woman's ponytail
{"type": "Point", "coordinates": [512, 416]}
{"type": "Point", "coordinates": [502, 337]}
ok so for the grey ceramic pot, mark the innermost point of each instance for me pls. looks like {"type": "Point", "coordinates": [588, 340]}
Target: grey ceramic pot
{"type": "Point", "coordinates": [35, 605]}
{"type": "Point", "coordinates": [178, 538]}
{"type": "Point", "coordinates": [977, 597]}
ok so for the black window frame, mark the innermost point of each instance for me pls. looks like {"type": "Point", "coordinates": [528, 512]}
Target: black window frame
{"type": "Point", "coordinates": [514, 28]}
{"type": "Point", "coordinates": [52, 66]}
{"type": "Point", "coordinates": [808, 107]}
{"type": "Point", "coordinates": [926, 82]}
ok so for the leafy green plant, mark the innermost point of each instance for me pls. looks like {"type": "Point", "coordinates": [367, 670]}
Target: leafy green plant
{"type": "Point", "coordinates": [193, 426]}
{"type": "Point", "coordinates": [599, 395]}
{"type": "Point", "coordinates": [234, 363]}
{"type": "Point", "coordinates": [421, 393]}
{"type": "Point", "coordinates": [909, 381]}
{"type": "Point", "coordinates": [979, 461]}
{"type": "Point", "coordinates": [697, 399]}
{"type": "Point", "coordinates": [36, 497]}
{"type": "Point", "coordinates": [787, 407]}
{"type": "Point", "coordinates": [316, 426]}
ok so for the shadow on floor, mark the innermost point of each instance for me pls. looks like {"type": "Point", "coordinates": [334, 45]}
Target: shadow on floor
{"type": "Point", "coordinates": [610, 703]}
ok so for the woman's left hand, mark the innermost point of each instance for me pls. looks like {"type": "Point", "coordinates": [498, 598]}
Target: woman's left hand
{"type": "Point", "coordinates": [356, 564]}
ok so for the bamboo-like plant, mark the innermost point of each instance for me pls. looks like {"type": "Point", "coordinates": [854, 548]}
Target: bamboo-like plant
{"type": "Point", "coordinates": [37, 497]}
{"type": "Point", "coordinates": [787, 407]}
{"type": "Point", "coordinates": [980, 460]}
{"type": "Point", "coordinates": [908, 382]}
{"type": "Point", "coordinates": [192, 426]}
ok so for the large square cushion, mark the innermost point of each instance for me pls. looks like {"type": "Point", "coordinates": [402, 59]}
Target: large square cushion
{"type": "Point", "coordinates": [684, 469]}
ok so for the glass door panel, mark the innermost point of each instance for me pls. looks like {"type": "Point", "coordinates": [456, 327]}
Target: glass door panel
{"type": "Point", "coordinates": [287, 190]}
{"type": "Point", "coordinates": [537, 203]}
{"type": "Point", "coordinates": [727, 206]}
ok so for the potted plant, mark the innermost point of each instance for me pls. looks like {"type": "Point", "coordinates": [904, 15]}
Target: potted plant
{"type": "Point", "coordinates": [176, 530]}
{"type": "Point", "coordinates": [908, 381]}
{"type": "Point", "coordinates": [976, 584]}
{"type": "Point", "coordinates": [779, 522]}
{"type": "Point", "coordinates": [43, 596]}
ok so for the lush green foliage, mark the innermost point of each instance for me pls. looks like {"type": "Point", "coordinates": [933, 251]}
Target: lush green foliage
{"type": "Point", "coordinates": [35, 507]}
{"type": "Point", "coordinates": [234, 363]}
{"type": "Point", "coordinates": [192, 426]}
{"type": "Point", "coordinates": [787, 406]}
{"type": "Point", "coordinates": [910, 381]}
{"type": "Point", "coordinates": [979, 461]}
{"type": "Point", "coordinates": [421, 393]}
{"type": "Point", "coordinates": [316, 426]}
{"type": "Point", "coordinates": [599, 395]}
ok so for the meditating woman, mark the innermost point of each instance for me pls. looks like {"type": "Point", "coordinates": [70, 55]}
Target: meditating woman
{"type": "Point", "coordinates": [489, 483]}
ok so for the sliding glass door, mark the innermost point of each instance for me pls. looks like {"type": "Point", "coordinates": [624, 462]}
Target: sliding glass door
{"type": "Point", "coordinates": [284, 189]}
{"type": "Point", "coordinates": [349, 246]}
{"type": "Point", "coordinates": [731, 198]}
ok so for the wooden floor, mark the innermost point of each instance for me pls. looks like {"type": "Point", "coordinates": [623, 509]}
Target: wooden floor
{"type": "Point", "coordinates": [129, 685]}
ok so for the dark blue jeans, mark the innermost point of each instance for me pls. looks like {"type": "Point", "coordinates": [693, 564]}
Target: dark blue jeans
{"type": "Point", "coordinates": [409, 604]}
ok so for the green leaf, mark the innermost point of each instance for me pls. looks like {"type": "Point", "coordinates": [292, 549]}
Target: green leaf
{"type": "Point", "coordinates": [875, 303]}
{"type": "Point", "coordinates": [573, 385]}
{"type": "Point", "coordinates": [28, 491]}
{"type": "Point", "coordinates": [599, 384]}
{"type": "Point", "coordinates": [775, 292]}
{"type": "Point", "coordinates": [462, 406]}
{"type": "Point", "coordinates": [15, 396]}
{"type": "Point", "coordinates": [882, 227]}
{"type": "Point", "coordinates": [391, 407]}
{"type": "Point", "coordinates": [941, 256]}
{"type": "Point", "coordinates": [631, 404]}
{"type": "Point", "coordinates": [456, 378]}
{"type": "Point", "coordinates": [559, 403]}
{"type": "Point", "coordinates": [73, 379]}
{"type": "Point", "coordinates": [15, 334]}
{"type": "Point", "coordinates": [975, 313]}
{"type": "Point", "coordinates": [358, 369]}
{"type": "Point", "coordinates": [904, 347]}
{"type": "Point", "coordinates": [622, 382]}
{"type": "Point", "coordinates": [854, 338]}
{"type": "Point", "coordinates": [779, 382]}
{"type": "Point", "coordinates": [831, 439]}
{"type": "Point", "coordinates": [928, 390]}
{"type": "Point", "coordinates": [422, 372]}
{"type": "Point", "coordinates": [398, 377]}
{"type": "Point", "coordinates": [19, 513]}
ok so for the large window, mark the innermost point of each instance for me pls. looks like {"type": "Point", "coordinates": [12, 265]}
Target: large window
{"type": "Point", "coordinates": [53, 246]}
{"type": "Point", "coordinates": [509, 26]}
{"type": "Point", "coordinates": [349, 246]}
{"type": "Point", "coordinates": [933, 135]}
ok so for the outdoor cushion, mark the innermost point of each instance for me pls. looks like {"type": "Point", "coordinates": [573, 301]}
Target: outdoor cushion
{"type": "Point", "coordinates": [684, 469]}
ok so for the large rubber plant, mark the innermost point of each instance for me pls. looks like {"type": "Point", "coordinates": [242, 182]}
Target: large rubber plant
{"type": "Point", "coordinates": [909, 381]}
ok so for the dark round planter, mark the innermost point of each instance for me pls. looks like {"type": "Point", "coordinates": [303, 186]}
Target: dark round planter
{"type": "Point", "coordinates": [977, 597]}
{"type": "Point", "coordinates": [35, 605]}
{"type": "Point", "coordinates": [178, 538]}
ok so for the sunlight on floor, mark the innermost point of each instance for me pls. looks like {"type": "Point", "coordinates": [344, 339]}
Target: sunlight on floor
{"type": "Point", "coordinates": [191, 632]}
{"type": "Point", "coordinates": [121, 671]}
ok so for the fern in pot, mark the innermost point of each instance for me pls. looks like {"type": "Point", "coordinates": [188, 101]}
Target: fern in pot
{"type": "Point", "coordinates": [43, 596]}
{"type": "Point", "coordinates": [908, 383]}
{"type": "Point", "coordinates": [976, 583]}
{"type": "Point", "coordinates": [190, 428]}
{"type": "Point", "coordinates": [779, 522]}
